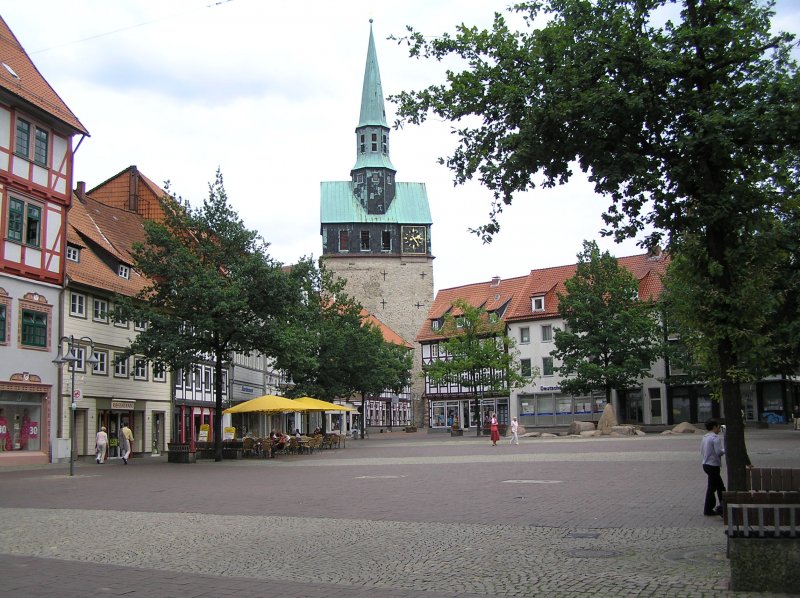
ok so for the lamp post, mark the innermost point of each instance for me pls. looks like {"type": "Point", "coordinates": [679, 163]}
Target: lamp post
{"type": "Point", "coordinates": [72, 358]}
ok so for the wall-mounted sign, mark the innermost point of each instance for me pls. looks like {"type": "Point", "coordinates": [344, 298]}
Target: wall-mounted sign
{"type": "Point", "coordinates": [123, 405]}
{"type": "Point", "coordinates": [550, 388]}
{"type": "Point", "coordinates": [247, 389]}
{"type": "Point", "coordinates": [203, 437]}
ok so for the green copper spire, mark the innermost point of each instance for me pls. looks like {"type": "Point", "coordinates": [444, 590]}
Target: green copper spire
{"type": "Point", "coordinates": [372, 109]}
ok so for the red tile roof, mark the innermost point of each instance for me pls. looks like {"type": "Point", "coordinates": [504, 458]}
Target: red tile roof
{"type": "Point", "coordinates": [28, 84]}
{"type": "Point", "coordinates": [106, 236]}
{"type": "Point", "coordinates": [389, 335]}
{"type": "Point", "coordinates": [512, 298]}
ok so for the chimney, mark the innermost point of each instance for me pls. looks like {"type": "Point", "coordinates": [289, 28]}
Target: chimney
{"type": "Point", "coordinates": [654, 252]}
{"type": "Point", "coordinates": [133, 190]}
{"type": "Point", "coordinates": [80, 191]}
{"type": "Point", "coordinates": [495, 281]}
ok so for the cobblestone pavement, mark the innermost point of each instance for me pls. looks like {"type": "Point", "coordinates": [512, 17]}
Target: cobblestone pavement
{"type": "Point", "coordinates": [397, 515]}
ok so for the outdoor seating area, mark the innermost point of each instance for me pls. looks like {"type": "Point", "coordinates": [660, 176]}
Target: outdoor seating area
{"type": "Point", "coordinates": [264, 448]}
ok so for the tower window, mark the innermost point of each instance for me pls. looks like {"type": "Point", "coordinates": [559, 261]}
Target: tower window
{"type": "Point", "coordinates": [386, 241]}
{"type": "Point", "coordinates": [364, 240]}
{"type": "Point", "coordinates": [344, 240]}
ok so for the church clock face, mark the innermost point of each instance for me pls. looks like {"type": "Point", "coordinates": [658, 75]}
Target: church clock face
{"type": "Point", "coordinates": [413, 239]}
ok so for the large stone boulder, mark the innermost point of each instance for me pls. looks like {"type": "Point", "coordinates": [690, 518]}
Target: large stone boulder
{"type": "Point", "coordinates": [684, 428]}
{"type": "Point", "coordinates": [577, 427]}
{"type": "Point", "coordinates": [624, 430]}
{"type": "Point", "coordinates": [608, 420]}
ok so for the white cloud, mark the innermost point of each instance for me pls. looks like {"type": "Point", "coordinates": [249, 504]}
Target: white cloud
{"type": "Point", "coordinates": [270, 93]}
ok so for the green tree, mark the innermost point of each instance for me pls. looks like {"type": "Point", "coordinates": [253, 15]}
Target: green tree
{"type": "Point", "coordinates": [689, 125]}
{"type": "Point", "coordinates": [331, 350]}
{"type": "Point", "coordinates": [213, 290]}
{"type": "Point", "coordinates": [612, 335]}
{"type": "Point", "coordinates": [476, 354]}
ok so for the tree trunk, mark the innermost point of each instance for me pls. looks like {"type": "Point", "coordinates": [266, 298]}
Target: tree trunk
{"type": "Point", "coordinates": [735, 447]}
{"type": "Point", "coordinates": [218, 412]}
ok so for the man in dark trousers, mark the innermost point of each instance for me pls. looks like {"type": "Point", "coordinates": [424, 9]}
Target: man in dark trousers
{"type": "Point", "coordinates": [712, 450]}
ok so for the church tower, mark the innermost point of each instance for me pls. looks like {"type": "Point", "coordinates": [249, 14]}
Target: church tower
{"type": "Point", "coordinates": [376, 232]}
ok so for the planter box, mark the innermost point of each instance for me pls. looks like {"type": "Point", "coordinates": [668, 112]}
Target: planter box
{"type": "Point", "coordinates": [458, 432]}
{"type": "Point", "coordinates": [178, 452]}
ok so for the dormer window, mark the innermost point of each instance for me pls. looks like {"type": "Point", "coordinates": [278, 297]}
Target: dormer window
{"type": "Point", "coordinates": [124, 271]}
{"type": "Point", "coordinates": [73, 254]}
{"type": "Point", "coordinates": [537, 303]}
{"type": "Point", "coordinates": [436, 324]}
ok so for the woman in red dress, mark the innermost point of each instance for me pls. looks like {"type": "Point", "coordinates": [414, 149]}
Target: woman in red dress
{"type": "Point", "coordinates": [495, 431]}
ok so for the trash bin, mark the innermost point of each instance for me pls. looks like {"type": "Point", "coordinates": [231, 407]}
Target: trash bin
{"type": "Point", "coordinates": [355, 434]}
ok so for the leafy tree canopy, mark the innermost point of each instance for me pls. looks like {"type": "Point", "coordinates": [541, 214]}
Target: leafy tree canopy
{"type": "Point", "coordinates": [214, 290]}
{"type": "Point", "coordinates": [612, 336]}
{"type": "Point", "coordinates": [689, 125]}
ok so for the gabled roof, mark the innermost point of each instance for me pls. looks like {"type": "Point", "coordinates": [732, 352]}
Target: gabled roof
{"type": "Point", "coordinates": [131, 190]}
{"type": "Point", "coordinates": [517, 293]}
{"type": "Point", "coordinates": [21, 78]}
{"type": "Point", "coordinates": [105, 235]}
{"type": "Point", "coordinates": [338, 204]}
{"type": "Point", "coordinates": [491, 295]}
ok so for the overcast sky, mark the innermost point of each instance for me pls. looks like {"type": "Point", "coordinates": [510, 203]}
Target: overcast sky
{"type": "Point", "coordinates": [270, 93]}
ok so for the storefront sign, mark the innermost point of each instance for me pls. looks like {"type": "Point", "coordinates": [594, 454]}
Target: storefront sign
{"type": "Point", "coordinates": [123, 405]}
{"type": "Point", "coordinates": [203, 437]}
{"type": "Point", "coordinates": [247, 390]}
{"type": "Point", "coordinates": [229, 433]}
{"type": "Point", "coordinates": [549, 388]}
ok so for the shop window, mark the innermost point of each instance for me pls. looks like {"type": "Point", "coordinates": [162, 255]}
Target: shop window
{"type": "Point", "coordinates": [34, 328]}
{"type": "Point", "coordinates": [20, 426]}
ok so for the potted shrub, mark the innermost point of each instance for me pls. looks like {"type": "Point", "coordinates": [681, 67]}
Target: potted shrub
{"type": "Point", "coordinates": [455, 430]}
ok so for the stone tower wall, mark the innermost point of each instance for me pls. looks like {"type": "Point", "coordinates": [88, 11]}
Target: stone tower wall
{"type": "Point", "coordinates": [399, 292]}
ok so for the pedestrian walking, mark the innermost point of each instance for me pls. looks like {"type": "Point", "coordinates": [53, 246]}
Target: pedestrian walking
{"type": "Point", "coordinates": [712, 451]}
{"type": "Point", "coordinates": [494, 430]}
{"type": "Point", "coordinates": [514, 431]}
{"type": "Point", "coordinates": [126, 442]}
{"type": "Point", "coordinates": [101, 445]}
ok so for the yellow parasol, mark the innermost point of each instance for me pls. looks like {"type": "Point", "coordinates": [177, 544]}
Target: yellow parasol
{"type": "Point", "coordinates": [319, 405]}
{"type": "Point", "coordinates": [268, 404]}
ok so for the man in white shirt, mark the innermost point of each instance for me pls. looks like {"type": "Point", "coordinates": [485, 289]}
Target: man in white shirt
{"type": "Point", "coordinates": [712, 451]}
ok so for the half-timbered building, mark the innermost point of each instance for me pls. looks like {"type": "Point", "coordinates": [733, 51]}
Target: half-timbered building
{"type": "Point", "coordinates": [36, 164]}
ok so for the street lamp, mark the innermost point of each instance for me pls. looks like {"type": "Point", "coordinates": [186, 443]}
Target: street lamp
{"type": "Point", "coordinates": [72, 358]}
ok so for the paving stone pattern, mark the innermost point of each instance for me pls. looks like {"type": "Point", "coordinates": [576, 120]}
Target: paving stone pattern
{"type": "Point", "coordinates": [397, 515]}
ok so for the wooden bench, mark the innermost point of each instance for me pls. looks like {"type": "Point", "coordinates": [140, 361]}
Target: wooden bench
{"type": "Point", "coordinates": [763, 529]}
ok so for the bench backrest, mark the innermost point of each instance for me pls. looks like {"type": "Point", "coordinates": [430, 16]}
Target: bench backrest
{"type": "Point", "coordinates": [773, 479]}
